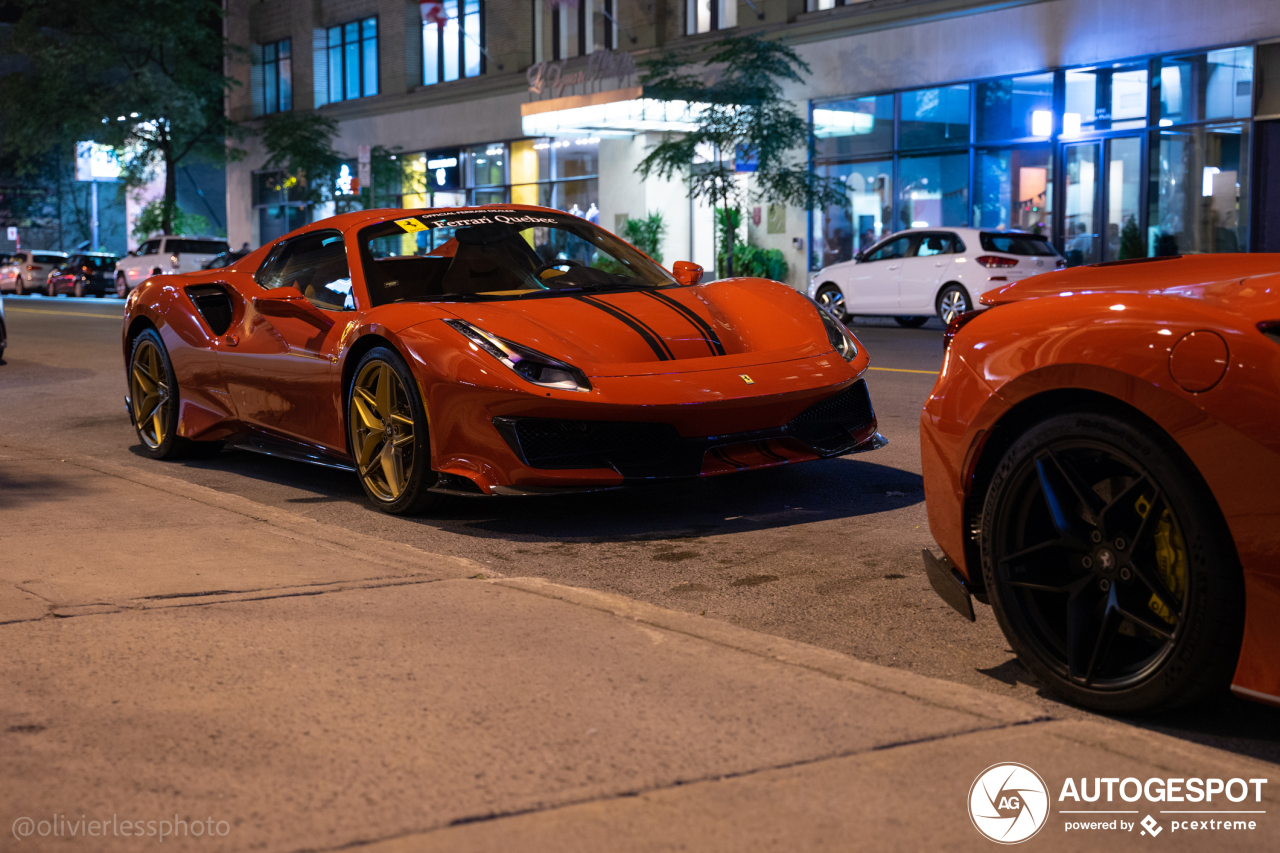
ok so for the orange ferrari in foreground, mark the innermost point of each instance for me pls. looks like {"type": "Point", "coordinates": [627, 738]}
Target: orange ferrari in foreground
{"type": "Point", "coordinates": [495, 350]}
{"type": "Point", "coordinates": [1102, 466]}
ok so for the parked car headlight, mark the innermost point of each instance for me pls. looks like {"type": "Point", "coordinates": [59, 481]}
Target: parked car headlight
{"type": "Point", "coordinates": [530, 364]}
{"type": "Point", "coordinates": [841, 341]}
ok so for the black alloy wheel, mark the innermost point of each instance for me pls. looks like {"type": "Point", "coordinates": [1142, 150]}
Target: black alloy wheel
{"type": "Point", "coordinates": [1109, 568]}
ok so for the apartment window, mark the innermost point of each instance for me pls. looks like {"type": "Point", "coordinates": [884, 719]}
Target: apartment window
{"type": "Point", "coordinates": [822, 5]}
{"type": "Point", "coordinates": [272, 81]}
{"type": "Point", "coordinates": [703, 16]}
{"type": "Point", "coordinates": [563, 29]}
{"type": "Point", "coordinates": [452, 40]}
{"type": "Point", "coordinates": [353, 60]}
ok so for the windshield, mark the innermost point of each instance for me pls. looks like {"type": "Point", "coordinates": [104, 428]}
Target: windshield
{"type": "Point", "coordinates": [498, 254]}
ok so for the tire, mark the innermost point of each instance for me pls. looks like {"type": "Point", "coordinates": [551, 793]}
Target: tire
{"type": "Point", "coordinates": [831, 297]}
{"type": "Point", "coordinates": [18, 289]}
{"type": "Point", "coordinates": [1131, 602]}
{"type": "Point", "coordinates": [50, 290]}
{"type": "Point", "coordinates": [382, 403]}
{"type": "Point", "coordinates": [122, 287]}
{"type": "Point", "coordinates": [953, 300]}
{"type": "Point", "coordinates": [911, 322]}
{"type": "Point", "coordinates": [156, 420]}
{"type": "Point", "coordinates": [79, 289]}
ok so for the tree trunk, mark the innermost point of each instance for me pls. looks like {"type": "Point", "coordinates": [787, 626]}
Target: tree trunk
{"type": "Point", "coordinates": [170, 191]}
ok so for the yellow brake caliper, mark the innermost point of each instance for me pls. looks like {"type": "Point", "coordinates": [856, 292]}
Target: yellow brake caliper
{"type": "Point", "coordinates": [1171, 558]}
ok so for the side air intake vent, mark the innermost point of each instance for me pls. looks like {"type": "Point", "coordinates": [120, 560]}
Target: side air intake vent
{"type": "Point", "coordinates": [214, 305]}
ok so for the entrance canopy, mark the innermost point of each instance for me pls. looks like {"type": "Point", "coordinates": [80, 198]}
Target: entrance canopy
{"type": "Point", "coordinates": [617, 113]}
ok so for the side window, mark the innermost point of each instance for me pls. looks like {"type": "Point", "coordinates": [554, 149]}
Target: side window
{"type": "Point", "coordinates": [316, 264]}
{"type": "Point", "coordinates": [151, 247]}
{"type": "Point", "coordinates": [957, 245]}
{"type": "Point", "coordinates": [892, 250]}
{"type": "Point", "coordinates": [933, 244]}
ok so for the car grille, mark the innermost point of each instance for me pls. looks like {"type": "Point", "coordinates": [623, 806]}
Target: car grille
{"type": "Point", "coordinates": [646, 450]}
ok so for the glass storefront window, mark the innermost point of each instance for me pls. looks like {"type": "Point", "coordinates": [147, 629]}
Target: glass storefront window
{"type": "Point", "coordinates": [1124, 184]}
{"type": "Point", "coordinates": [487, 165]}
{"type": "Point", "coordinates": [1079, 193]}
{"type": "Point", "coordinates": [852, 128]}
{"type": "Point", "coordinates": [1013, 189]}
{"type": "Point", "coordinates": [933, 191]}
{"type": "Point", "coordinates": [1104, 98]}
{"type": "Point", "coordinates": [1206, 86]}
{"type": "Point", "coordinates": [1199, 192]}
{"type": "Point", "coordinates": [1015, 107]}
{"type": "Point", "coordinates": [934, 118]}
{"type": "Point", "coordinates": [839, 234]}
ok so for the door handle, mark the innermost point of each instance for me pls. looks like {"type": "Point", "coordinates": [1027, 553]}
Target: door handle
{"type": "Point", "coordinates": [895, 266]}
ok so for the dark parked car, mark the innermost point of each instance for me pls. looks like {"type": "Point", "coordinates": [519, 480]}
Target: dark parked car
{"type": "Point", "coordinates": [84, 274]}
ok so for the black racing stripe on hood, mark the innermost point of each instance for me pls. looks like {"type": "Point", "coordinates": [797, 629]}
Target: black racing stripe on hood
{"type": "Point", "coordinates": [652, 338]}
{"type": "Point", "coordinates": [708, 334]}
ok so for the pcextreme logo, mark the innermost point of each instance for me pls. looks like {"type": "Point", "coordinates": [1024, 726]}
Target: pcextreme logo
{"type": "Point", "coordinates": [1009, 803]}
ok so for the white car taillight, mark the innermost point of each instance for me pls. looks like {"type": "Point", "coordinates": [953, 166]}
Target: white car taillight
{"type": "Point", "coordinates": [993, 262]}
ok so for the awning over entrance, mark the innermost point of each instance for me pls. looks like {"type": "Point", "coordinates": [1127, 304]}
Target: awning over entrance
{"type": "Point", "coordinates": [619, 113]}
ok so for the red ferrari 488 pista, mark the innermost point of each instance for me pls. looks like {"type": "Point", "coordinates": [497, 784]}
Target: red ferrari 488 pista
{"type": "Point", "coordinates": [495, 350]}
{"type": "Point", "coordinates": [1101, 456]}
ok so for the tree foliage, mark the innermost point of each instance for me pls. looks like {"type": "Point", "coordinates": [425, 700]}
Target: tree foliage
{"type": "Point", "coordinates": [144, 76]}
{"type": "Point", "coordinates": [301, 146]}
{"type": "Point", "coordinates": [745, 116]}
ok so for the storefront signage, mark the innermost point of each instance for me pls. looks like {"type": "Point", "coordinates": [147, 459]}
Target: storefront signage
{"type": "Point", "coordinates": [443, 174]}
{"type": "Point", "coordinates": [549, 78]}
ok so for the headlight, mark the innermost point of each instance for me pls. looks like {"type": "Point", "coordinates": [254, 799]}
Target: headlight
{"type": "Point", "coordinates": [530, 364]}
{"type": "Point", "coordinates": [841, 341]}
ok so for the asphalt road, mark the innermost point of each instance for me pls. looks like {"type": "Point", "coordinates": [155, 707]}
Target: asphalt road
{"type": "Point", "coordinates": [826, 553]}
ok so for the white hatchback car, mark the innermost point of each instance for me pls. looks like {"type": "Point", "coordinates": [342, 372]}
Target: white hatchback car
{"type": "Point", "coordinates": [912, 275]}
{"type": "Point", "coordinates": [164, 255]}
{"type": "Point", "coordinates": [26, 271]}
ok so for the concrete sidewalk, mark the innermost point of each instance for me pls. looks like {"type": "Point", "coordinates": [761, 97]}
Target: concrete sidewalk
{"type": "Point", "coordinates": [172, 651]}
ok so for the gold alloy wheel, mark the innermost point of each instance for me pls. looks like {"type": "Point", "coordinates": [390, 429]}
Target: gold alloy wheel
{"type": "Point", "coordinates": [149, 391]}
{"type": "Point", "coordinates": [382, 435]}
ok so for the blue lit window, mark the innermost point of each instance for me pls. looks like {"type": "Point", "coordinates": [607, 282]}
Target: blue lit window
{"type": "Point", "coordinates": [452, 40]}
{"type": "Point", "coordinates": [275, 84]}
{"type": "Point", "coordinates": [353, 60]}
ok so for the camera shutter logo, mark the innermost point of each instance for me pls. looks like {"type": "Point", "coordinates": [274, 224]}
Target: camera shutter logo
{"type": "Point", "coordinates": [1008, 803]}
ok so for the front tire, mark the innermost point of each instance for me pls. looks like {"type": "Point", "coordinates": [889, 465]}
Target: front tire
{"type": "Point", "coordinates": [387, 431]}
{"type": "Point", "coordinates": [831, 297]}
{"type": "Point", "coordinates": [18, 288]}
{"type": "Point", "coordinates": [953, 300]}
{"type": "Point", "coordinates": [1108, 567]}
{"type": "Point", "coordinates": [79, 289]}
{"type": "Point", "coordinates": [122, 288]}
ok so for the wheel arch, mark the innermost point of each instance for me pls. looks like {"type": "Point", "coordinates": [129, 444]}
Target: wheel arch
{"type": "Point", "coordinates": [362, 345]}
{"type": "Point", "coordinates": [1031, 410]}
{"type": "Point", "coordinates": [137, 326]}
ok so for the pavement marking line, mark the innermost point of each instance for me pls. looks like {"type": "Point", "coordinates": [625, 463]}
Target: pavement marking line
{"type": "Point", "coordinates": [889, 369]}
{"type": "Point", "coordinates": [64, 313]}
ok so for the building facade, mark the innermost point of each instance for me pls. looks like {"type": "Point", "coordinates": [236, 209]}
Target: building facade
{"type": "Point", "coordinates": [1119, 130]}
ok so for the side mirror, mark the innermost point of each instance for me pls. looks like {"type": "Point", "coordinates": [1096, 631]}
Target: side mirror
{"type": "Point", "coordinates": [686, 272]}
{"type": "Point", "coordinates": [859, 257]}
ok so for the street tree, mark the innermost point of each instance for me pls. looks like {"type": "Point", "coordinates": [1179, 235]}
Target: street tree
{"type": "Point", "coordinates": [144, 76]}
{"type": "Point", "coordinates": [740, 113]}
